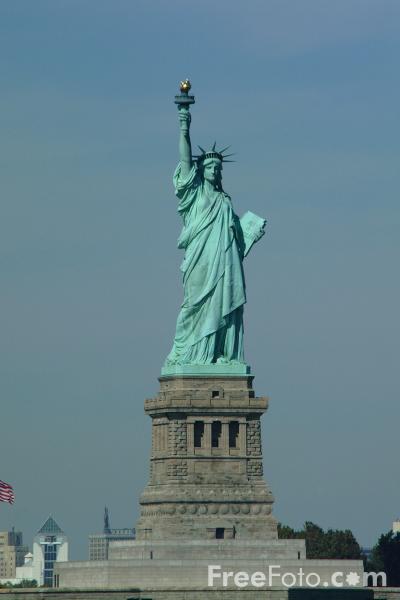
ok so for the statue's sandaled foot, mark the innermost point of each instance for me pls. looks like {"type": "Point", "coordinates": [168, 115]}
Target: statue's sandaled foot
{"type": "Point", "coordinates": [222, 360]}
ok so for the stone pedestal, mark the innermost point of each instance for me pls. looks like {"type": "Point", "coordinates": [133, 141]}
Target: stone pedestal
{"type": "Point", "coordinates": [206, 474]}
{"type": "Point", "coordinates": [206, 503]}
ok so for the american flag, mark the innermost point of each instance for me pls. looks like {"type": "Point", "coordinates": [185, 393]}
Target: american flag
{"type": "Point", "coordinates": [6, 492]}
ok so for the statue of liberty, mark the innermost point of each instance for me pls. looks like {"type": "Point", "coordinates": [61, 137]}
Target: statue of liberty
{"type": "Point", "coordinates": [209, 328]}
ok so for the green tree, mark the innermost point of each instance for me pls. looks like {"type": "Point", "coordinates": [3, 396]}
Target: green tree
{"type": "Point", "coordinates": [342, 544]}
{"type": "Point", "coordinates": [287, 533]}
{"type": "Point", "coordinates": [333, 543]}
{"type": "Point", "coordinates": [386, 557]}
{"type": "Point", "coordinates": [24, 583]}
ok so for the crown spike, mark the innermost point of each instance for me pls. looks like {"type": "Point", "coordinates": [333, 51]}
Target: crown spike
{"type": "Point", "coordinates": [223, 149]}
{"type": "Point", "coordinates": [201, 149]}
{"type": "Point", "coordinates": [214, 145]}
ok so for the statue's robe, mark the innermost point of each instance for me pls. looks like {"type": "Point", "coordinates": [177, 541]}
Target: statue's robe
{"type": "Point", "coordinates": [210, 323]}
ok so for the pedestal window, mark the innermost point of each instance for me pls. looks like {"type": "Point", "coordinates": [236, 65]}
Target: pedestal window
{"type": "Point", "coordinates": [216, 430]}
{"type": "Point", "coordinates": [233, 434]}
{"type": "Point", "coordinates": [198, 434]}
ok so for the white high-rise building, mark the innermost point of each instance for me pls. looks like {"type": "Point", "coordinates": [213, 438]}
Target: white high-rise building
{"type": "Point", "coordinates": [50, 545]}
{"type": "Point", "coordinates": [396, 526]}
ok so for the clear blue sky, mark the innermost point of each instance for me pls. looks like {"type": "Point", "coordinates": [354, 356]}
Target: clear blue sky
{"type": "Point", "coordinates": [308, 94]}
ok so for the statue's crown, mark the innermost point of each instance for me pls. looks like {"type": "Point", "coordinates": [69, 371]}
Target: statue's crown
{"type": "Point", "coordinates": [213, 153]}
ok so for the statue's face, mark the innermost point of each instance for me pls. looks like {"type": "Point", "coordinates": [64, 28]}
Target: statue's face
{"type": "Point", "coordinates": [212, 170]}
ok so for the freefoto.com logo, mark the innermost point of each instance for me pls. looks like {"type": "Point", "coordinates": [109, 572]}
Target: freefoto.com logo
{"type": "Point", "coordinates": [275, 576]}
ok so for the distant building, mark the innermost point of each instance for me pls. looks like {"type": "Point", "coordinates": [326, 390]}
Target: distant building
{"type": "Point", "coordinates": [396, 526]}
{"type": "Point", "coordinates": [50, 545]}
{"type": "Point", "coordinates": [99, 542]}
{"type": "Point", "coordinates": [12, 552]}
{"type": "Point", "coordinates": [26, 570]}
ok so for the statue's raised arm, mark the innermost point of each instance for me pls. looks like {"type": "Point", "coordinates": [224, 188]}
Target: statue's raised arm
{"type": "Point", "coordinates": [185, 148]}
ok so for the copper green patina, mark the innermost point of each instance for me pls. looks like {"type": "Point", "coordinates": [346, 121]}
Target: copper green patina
{"type": "Point", "coordinates": [209, 330]}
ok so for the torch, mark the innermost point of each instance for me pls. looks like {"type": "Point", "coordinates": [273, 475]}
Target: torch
{"type": "Point", "coordinates": [183, 100]}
